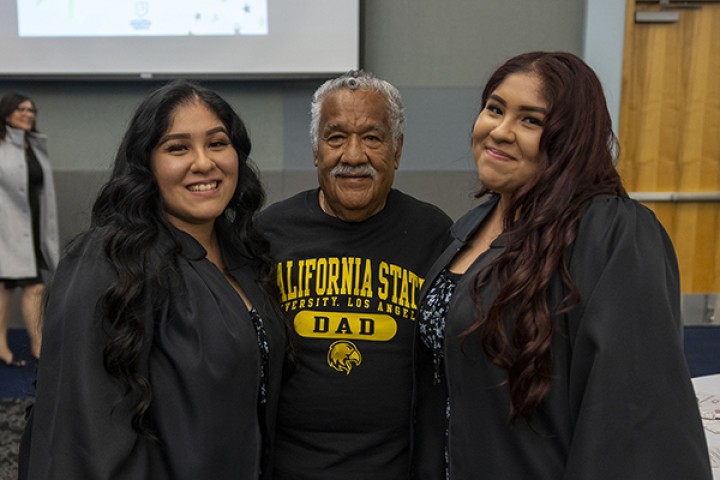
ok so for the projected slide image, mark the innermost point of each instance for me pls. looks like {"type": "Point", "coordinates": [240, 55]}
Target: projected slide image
{"type": "Point", "coordinates": [131, 18]}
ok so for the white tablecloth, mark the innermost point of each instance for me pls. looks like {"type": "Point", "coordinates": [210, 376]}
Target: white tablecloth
{"type": "Point", "coordinates": [710, 385]}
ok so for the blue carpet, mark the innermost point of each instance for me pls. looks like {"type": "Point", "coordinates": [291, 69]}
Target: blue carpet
{"type": "Point", "coordinates": [702, 350]}
{"type": "Point", "coordinates": [17, 382]}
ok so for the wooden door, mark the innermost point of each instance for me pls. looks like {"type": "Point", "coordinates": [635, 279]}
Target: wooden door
{"type": "Point", "coordinates": [670, 131]}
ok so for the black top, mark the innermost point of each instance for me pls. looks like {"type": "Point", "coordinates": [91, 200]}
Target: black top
{"type": "Point", "coordinates": [35, 185]}
{"type": "Point", "coordinates": [620, 405]}
{"type": "Point", "coordinates": [350, 291]}
{"type": "Point", "coordinates": [202, 356]}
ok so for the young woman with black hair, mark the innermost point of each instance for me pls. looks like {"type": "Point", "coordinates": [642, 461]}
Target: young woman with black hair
{"type": "Point", "coordinates": [163, 344]}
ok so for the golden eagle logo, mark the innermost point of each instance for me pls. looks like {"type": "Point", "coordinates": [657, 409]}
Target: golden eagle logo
{"type": "Point", "coordinates": [342, 355]}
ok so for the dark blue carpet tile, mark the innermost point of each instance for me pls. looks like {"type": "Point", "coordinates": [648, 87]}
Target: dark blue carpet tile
{"type": "Point", "coordinates": [702, 349]}
{"type": "Point", "coordinates": [17, 382]}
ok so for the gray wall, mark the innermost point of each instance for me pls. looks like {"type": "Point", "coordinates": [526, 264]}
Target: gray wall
{"type": "Point", "coordinates": [437, 53]}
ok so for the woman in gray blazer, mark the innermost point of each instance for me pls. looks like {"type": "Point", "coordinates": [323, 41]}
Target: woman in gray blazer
{"type": "Point", "coordinates": [28, 218]}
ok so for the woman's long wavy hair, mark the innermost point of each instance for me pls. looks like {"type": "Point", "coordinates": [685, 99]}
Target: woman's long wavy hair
{"type": "Point", "coordinates": [130, 211]}
{"type": "Point", "coordinates": [8, 104]}
{"type": "Point", "coordinates": [541, 222]}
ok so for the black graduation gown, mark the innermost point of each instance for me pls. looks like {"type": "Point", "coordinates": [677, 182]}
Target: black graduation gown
{"type": "Point", "coordinates": [201, 356]}
{"type": "Point", "coordinates": [621, 404]}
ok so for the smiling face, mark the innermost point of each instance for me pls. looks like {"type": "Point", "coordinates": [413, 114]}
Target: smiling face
{"type": "Point", "coordinates": [196, 168]}
{"type": "Point", "coordinates": [356, 157]}
{"type": "Point", "coordinates": [506, 135]}
{"type": "Point", "coordinates": [23, 117]}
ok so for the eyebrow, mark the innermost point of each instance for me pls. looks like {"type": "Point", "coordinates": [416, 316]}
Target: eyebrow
{"type": "Point", "coordinates": [178, 136]}
{"type": "Point", "coordinates": [524, 108]}
{"type": "Point", "coordinates": [342, 126]}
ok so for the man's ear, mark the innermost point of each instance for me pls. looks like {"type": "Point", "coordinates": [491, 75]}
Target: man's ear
{"type": "Point", "coordinates": [398, 151]}
{"type": "Point", "coordinates": [315, 158]}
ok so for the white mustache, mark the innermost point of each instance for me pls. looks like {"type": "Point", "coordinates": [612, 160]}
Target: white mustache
{"type": "Point", "coordinates": [359, 170]}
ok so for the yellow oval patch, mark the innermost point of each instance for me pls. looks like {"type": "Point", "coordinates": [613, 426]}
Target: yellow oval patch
{"type": "Point", "coordinates": [348, 325]}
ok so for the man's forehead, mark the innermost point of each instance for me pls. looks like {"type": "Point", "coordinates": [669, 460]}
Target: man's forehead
{"type": "Point", "coordinates": [365, 109]}
{"type": "Point", "coordinates": [363, 100]}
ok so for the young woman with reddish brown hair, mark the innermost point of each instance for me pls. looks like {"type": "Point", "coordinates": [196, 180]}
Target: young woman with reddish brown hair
{"type": "Point", "coordinates": [549, 334]}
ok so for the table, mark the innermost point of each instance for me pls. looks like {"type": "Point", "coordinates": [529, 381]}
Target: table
{"type": "Point", "coordinates": [710, 385]}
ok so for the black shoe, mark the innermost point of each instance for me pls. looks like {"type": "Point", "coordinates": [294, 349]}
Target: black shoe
{"type": "Point", "coordinates": [16, 363]}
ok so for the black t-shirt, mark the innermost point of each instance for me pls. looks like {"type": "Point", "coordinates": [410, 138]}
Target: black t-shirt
{"type": "Point", "coordinates": [349, 289]}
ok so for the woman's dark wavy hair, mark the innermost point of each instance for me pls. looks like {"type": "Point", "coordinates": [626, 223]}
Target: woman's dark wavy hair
{"type": "Point", "coordinates": [8, 104]}
{"type": "Point", "coordinates": [130, 212]}
{"type": "Point", "coordinates": [541, 222]}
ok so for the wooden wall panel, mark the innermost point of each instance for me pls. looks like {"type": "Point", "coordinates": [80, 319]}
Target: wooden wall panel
{"type": "Point", "coordinates": [670, 130]}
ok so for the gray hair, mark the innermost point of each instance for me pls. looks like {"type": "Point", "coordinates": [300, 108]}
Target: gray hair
{"type": "Point", "coordinates": [359, 80]}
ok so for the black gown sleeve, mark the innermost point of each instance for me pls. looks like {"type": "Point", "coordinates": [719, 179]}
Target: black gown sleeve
{"type": "Point", "coordinates": [81, 422]}
{"type": "Point", "coordinates": [632, 403]}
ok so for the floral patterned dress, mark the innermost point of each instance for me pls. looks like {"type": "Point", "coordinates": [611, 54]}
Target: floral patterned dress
{"type": "Point", "coordinates": [432, 315]}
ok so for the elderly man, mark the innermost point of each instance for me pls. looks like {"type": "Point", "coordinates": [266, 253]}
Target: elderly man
{"type": "Point", "coordinates": [351, 259]}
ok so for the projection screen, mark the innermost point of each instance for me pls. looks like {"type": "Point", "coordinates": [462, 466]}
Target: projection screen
{"type": "Point", "coordinates": [172, 38]}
